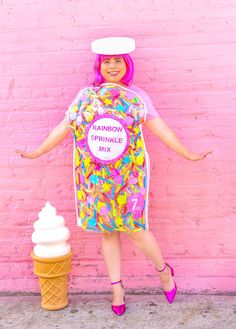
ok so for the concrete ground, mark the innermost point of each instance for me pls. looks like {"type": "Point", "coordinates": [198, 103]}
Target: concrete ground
{"type": "Point", "coordinates": [143, 311]}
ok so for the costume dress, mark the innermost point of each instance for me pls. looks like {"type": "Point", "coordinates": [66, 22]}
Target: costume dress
{"type": "Point", "coordinates": [111, 164]}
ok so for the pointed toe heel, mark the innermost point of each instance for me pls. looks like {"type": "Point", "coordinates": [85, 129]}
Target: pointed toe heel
{"type": "Point", "coordinates": [118, 309]}
{"type": "Point", "coordinates": [170, 295]}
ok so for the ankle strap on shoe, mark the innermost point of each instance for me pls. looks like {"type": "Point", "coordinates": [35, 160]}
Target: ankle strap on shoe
{"type": "Point", "coordinates": [116, 282]}
{"type": "Point", "coordinates": [162, 269]}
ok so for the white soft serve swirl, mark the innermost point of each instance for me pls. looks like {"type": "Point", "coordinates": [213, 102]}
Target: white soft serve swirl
{"type": "Point", "coordinates": [50, 234]}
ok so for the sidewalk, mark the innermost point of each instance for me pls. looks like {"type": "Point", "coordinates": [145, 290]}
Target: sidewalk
{"type": "Point", "coordinates": [143, 311]}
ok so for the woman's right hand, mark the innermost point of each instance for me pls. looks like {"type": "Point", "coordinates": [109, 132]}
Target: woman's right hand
{"type": "Point", "coordinates": [29, 155]}
{"type": "Point", "coordinates": [53, 139]}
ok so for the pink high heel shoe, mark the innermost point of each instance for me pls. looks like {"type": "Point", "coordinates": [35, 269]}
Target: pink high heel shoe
{"type": "Point", "coordinates": [118, 309]}
{"type": "Point", "coordinates": [170, 295]}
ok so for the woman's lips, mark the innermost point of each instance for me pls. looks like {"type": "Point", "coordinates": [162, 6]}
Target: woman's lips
{"type": "Point", "coordinates": [113, 73]}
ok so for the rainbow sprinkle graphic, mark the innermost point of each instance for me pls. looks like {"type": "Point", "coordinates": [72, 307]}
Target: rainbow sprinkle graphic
{"type": "Point", "coordinates": [111, 195]}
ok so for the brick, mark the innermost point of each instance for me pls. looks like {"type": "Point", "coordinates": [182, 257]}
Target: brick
{"type": "Point", "coordinates": [185, 61]}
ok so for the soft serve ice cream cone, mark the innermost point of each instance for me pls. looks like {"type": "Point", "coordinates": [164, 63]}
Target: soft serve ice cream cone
{"type": "Point", "coordinates": [52, 257]}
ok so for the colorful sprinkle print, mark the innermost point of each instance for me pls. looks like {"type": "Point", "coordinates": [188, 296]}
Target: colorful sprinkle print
{"type": "Point", "coordinates": [109, 159]}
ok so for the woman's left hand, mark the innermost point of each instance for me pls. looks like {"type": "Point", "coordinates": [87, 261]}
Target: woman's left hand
{"type": "Point", "coordinates": [201, 156]}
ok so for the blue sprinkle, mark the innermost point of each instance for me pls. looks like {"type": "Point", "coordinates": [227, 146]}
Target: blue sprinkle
{"type": "Point", "coordinates": [107, 228]}
{"type": "Point", "coordinates": [107, 170]}
{"type": "Point", "coordinates": [144, 181]}
{"type": "Point", "coordinates": [139, 224]}
{"type": "Point", "coordinates": [94, 179]}
{"type": "Point", "coordinates": [108, 205]}
{"type": "Point", "coordinates": [124, 102]}
{"type": "Point", "coordinates": [83, 167]}
{"type": "Point", "coordinates": [138, 152]}
{"type": "Point", "coordinates": [92, 222]}
{"type": "Point", "coordinates": [120, 108]}
{"type": "Point", "coordinates": [138, 136]}
{"type": "Point", "coordinates": [122, 165]}
{"type": "Point", "coordinates": [126, 159]}
{"type": "Point", "coordinates": [106, 180]}
{"type": "Point", "coordinates": [125, 220]}
{"type": "Point", "coordinates": [79, 104]}
{"type": "Point", "coordinates": [113, 192]}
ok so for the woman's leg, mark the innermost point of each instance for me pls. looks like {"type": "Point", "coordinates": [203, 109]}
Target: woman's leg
{"type": "Point", "coordinates": [147, 243]}
{"type": "Point", "coordinates": [111, 249]}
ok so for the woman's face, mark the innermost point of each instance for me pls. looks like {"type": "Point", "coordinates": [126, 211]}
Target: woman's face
{"type": "Point", "coordinates": [113, 69]}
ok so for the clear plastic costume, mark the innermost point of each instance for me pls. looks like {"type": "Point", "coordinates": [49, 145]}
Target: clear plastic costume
{"type": "Point", "coordinates": [111, 164]}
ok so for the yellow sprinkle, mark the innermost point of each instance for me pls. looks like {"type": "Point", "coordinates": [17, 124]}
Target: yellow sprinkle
{"type": "Point", "coordinates": [113, 208]}
{"type": "Point", "coordinates": [126, 175]}
{"type": "Point", "coordinates": [122, 199]}
{"type": "Point", "coordinates": [80, 195]}
{"type": "Point", "coordinates": [122, 114]}
{"type": "Point", "coordinates": [139, 143]}
{"type": "Point", "coordinates": [106, 187]}
{"type": "Point", "coordinates": [139, 160]}
{"type": "Point", "coordinates": [140, 180]}
{"type": "Point", "coordinates": [136, 130]}
{"type": "Point", "coordinates": [102, 228]}
{"type": "Point", "coordinates": [82, 214]}
{"type": "Point", "coordinates": [119, 221]}
{"type": "Point", "coordinates": [100, 205]}
{"type": "Point", "coordinates": [87, 162]}
{"type": "Point", "coordinates": [74, 109]}
{"type": "Point", "coordinates": [89, 117]}
{"type": "Point", "coordinates": [77, 160]}
{"type": "Point", "coordinates": [132, 155]}
{"type": "Point", "coordinates": [107, 101]}
{"type": "Point", "coordinates": [118, 163]}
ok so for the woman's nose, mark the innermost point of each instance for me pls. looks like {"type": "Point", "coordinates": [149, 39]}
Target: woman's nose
{"type": "Point", "coordinates": [112, 64]}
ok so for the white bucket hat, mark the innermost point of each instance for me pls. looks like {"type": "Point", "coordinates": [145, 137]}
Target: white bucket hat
{"type": "Point", "coordinates": [113, 46]}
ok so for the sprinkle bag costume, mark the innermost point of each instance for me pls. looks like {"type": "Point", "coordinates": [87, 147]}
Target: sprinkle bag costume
{"type": "Point", "coordinates": [111, 165]}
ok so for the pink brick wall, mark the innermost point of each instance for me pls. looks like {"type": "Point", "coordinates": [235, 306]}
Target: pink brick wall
{"type": "Point", "coordinates": [185, 59]}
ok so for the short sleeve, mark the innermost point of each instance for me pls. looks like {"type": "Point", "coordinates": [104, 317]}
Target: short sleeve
{"type": "Point", "coordinates": [70, 113]}
{"type": "Point", "coordinates": [151, 111]}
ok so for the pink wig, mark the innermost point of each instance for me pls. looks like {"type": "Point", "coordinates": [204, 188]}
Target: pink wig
{"type": "Point", "coordinates": [128, 77]}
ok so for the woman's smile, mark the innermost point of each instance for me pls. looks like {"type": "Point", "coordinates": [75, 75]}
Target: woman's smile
{"type": "Point", "coordinates": [113, 69]}
{"type": "Point", "coordinates": [113, 73]}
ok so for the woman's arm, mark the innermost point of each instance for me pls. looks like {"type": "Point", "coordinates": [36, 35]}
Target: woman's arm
{"type": "Point", "coordinates": [54, 138]}
{"type": "Point", "coordinates": [159, 128]}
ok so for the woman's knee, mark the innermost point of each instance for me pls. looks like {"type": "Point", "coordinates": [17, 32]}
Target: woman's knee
{"type": "Point", "coordinates": [136, 236]}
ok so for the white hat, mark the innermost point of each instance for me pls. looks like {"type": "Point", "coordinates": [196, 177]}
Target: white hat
{"type": "Point", "coordinates": [113, 46]}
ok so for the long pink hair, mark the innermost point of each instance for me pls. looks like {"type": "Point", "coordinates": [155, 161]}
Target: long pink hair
{"type": "Point", "coordinates": [128, 77]}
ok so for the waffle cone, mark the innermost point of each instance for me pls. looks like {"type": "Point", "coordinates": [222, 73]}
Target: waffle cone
{"type": "Point", "coordinates": [53, 279]}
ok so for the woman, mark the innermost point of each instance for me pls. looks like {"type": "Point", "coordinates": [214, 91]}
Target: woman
{"type": "Point", "coordinates": [111, 162]}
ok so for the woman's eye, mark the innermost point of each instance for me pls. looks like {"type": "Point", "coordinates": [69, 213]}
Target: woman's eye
{"type": "Point", "coordinates": [118, 61]}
